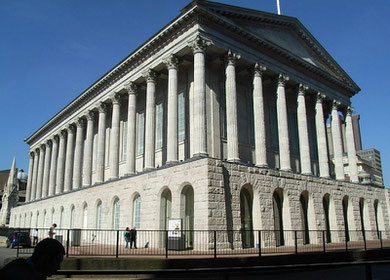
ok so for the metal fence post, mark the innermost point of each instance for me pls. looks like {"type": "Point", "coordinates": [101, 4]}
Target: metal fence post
{"type": "Point", "coordinates": [215, 244]}
{"type": "Point", "coordinates": [346, 241]}
{"type": "Point", "coordinates": [67, 242]}
{"type": "Point", "coordinates": [323, 241]}
{"type": "Point", "coordinates": [117, 244]}
{"type": "Point", "coordinates": [166, 244]}
{"type": "Point", "coordinates": [259, 243]}
{"type": "Point", "coordinates": [17, 244]}
{"type": "Point", "coordinates": [296, 241]}
{"type": "Point", "coordinates": [380, 239]}
{"type": "Point", "coordinates": [364, 239]}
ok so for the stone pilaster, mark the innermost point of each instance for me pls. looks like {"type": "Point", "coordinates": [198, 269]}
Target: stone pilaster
{"type": "Point", "coordinates": [150, 121]}
{"type": "Point", "coordinates": [304, 146]}
{"type": "Point", "coordinates": [30, 176]}
{"type": "Point", "coordinates": [35, 175]}
{"type": "Point", "coordinates": [337, 142]}
{"type": "Point", "coordinates": [281, 107]}
{"type": "Point", "coordinates": [258, 112]}
{"type": "Point", "coordinates": [322, 146]}
{"type": "Point", "coordinates": [131, 125]}
{"type": "Point", "coordinates": [172, 150]}
{"type": "Point", "coordinates": [61, 163]}
{"type": "Point", "coordinates": [41, 163]}
{"type": "Point", "coordinates": [101, 143]}
{"type": "Point", "coordinates": [46, 170]}
{"type": "Point", "coordinates": [69, 159]}
{"type": "Point", "coordinates": [114, 139]}
{"type": "Point", "coordinates": [199, 46]}
{"type": "Point", "coordinates": [78, 153]}
{"type": "Point", "coordinates": [53, 166]}
{"type": "Point", "coordinates": [88, 150]}
{"type": "Point", "coordinates": [352, 161]}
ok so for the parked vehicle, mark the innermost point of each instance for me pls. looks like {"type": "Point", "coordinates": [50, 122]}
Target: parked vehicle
{"type": "Point", "coordinates": [19, 238]}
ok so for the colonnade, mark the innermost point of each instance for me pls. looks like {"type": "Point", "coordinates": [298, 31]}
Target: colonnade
{"type": "Point", "coordinates": [64, 162]}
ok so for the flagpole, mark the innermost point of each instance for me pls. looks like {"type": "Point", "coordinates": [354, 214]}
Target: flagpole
{"type": "Point", "coordinates": [278, 6]}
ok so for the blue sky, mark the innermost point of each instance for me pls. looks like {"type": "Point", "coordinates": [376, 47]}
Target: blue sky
{"type": "Point", "coordinates": [52, 50]}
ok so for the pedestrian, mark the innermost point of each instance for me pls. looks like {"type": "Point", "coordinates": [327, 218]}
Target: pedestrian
{"type": "Point", "coordinates": [51, 230]}
{"type": "Point", "coordinates": [44, 262]}
{"type": "Point", "coordinates": [133, 238]}
{"type": "Point", "coordinates": [35, 237]}
{"type": "Point", "coordinates": [126, 235]}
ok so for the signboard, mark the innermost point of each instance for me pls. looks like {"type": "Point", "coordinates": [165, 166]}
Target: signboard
{"type": "Point", "coordinates": [174, 228]}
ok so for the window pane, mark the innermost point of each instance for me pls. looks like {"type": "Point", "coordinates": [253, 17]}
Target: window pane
{"type": "Point", "coordinates": [181, 116]}
{"type": "Point", "coordinates": [141, 131]}
{"type": "Point", "coordinates": [124, 141]}
{"type": "Point", "coordinates": [159, 125]}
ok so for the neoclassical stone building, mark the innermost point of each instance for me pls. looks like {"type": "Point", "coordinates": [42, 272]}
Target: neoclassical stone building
{"type": "Point", "coordinates": [218, 119]}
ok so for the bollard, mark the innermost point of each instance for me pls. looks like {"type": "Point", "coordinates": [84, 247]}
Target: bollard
{"type": "Point", "coordinates": [215, 244]}
{"type": "Point", "coordinates": [259, 243]}
{"type": "Point", "coordinates": [117, 244]}
{"type": "Point", "coordinates": [323, 241]}
{"type": "Point", "coordinates": [67, 242]}
{"type": "Point", "coordinates": [296, 242]}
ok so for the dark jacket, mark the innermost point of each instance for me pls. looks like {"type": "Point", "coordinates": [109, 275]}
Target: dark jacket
{"type": "Point", "coordinates": [21, 269]}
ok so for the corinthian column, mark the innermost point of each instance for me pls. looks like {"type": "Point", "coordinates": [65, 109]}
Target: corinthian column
{"type": "Point", "coordinates": [150, 121]}
{"type": "Point", "coordinates": [304, 146]}
{"type": "Point", "coordinates": [199, 113]}
{"type": "Point", "coordinates": [231, 107]}
{"type": "Point", "coordinates": [30, 176]}
{"type": "Point", "coordinates": [78, 154]}
{"type": "Point", "coordinates": [88, 151]}
{"type": "Point", "coordinates": [281, 107]}
{"type": "Point", "coordinates": [258, 110]}
{"type": "Point", "coordinates": [101, 143]}
{"type": "Point", "coordinates": [69, 159]}
{"type": "Point", "coordinates": [131, 118]}
{"type": "Point", "coordinates": [337, 142]}
{"type": "Point", "coordinates": [53, 166]}
{"type": "Point", "coordinates": [35, 175]}
{"type": "Point", "coordinates": [46, 170]}
{"type": "Point", "coordinates": [172, 64]}
{"type": "Point", "coordinates": [322, 146]}
{"type": "Point", "coordinates": [114, 139]}
{"type": "Point", "coordinates": [38, 193]}
{"type": "Point", "coordinates": [352, 161]}
{"type": "Point", "coordinates": [61, 163]}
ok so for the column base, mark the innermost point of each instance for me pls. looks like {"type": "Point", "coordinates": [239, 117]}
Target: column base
{"type": "Point", "coordinates": [200, 155]}
{"type": "Point", "coordinates": [307, 173]}
{"type": "Point", "coordinates": [262, 165]}
{"type": "Point", "coordinates": [286, 170]}
{"type": "Point", "coordinates": [234, 160]}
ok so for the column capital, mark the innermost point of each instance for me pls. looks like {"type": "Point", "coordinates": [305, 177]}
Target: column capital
{"type": "Point", "coordinates": [320, 97]}
{"type": "Point", "coordinates": [131, 88]}
{"type": "Point", "coordinates": [150, 75]}
{"type": "Point", "coordinates": [80, 122]}
{"type": "Point", "coordinates": [171, 61]}
{"type": "Point", "coordinates": [259, 69]}
{"type": "Point", "coordinates": [102, 108]}
{"type": "Point", "coordinates": [283, 79]}
{"type": "Point", "coordinates": [199, 45]}
{"type": "Point", "coordinates": [48, 143]}
{"type": "Point", "coordinates": [42, 147]}
{"type": "Point", "coordinates": [231, 57]}
{"type": "Point", "coordinates": [336, 105]}
{"type": "Point", "coordinates": [115, 98]}
{"type": "Point", "coordinates": [90, 116]}
{"type": "Point", "coordinates": [31, 154]}
{"type": "Point", "coordinates": [350, 110]}
{"type": "Point", "coordinates": [63, 134]}
{"type": "Point", "coordinates": [71, 128]}
{"type": "Point", "coordinates": [302, 88]}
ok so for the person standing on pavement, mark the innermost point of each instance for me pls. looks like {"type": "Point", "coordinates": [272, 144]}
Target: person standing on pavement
{"type": "Point", "coordinates": [35, 237]}
{"type": "Point", "coordinates": [51, 230]}
{"type": "Point", "coordinates": [133, 238]}
{"type": "Point", "coordinates": [126, 236]}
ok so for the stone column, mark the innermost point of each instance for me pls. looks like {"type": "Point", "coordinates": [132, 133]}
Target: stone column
{"type": "Point", "coordinates": [88, 150]}
{"type": "Point", "coordinates": [61, 163]}
{"type": "Point", "coordinates": [172, 152]}
{"type": "Point", "coordinates": [231, 107]}
{"type": "Point", "coordinates": [35, 176]}
{"type": "Point", "coordinates": [101, 143]}
{"type": "Point", "coordinates": [352, 161]}
{"type": "Point", "coordinates": [30, 176]}
{"type": "Point", "coordinates": [131, 132]}
{"type": "Point", "coordinates": [69, 159]}
{"type": "Point", "coordinates": [38, 193]}
{"type": "Point", "coordinates": [281, 107]}
{"type": "Point", "coordinates": [304, 146]}
{"type": "Point", "coordinates": [78, 154]}
{"type": "Point", "coordinates": [53, 166]}
{"type": "Point", "coordinates": [150, 115]}
{"type": "Point", "coordinates": [46, 171]}
{"type": "Point", "coordinates": [114, 139]}
{"type": "Point", "coordinates": [199, 113]}
{"type": "Point", "coordinates": [322, 145]}
{"type": "Point", "coordinates": [258, 112]}
{"type": "Point", "coordinates": [337, 142]}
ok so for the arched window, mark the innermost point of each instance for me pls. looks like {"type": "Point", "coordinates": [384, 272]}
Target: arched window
{"type": "Point", "coordinates": [345, 215]}
{"type": "Point", "coordinates": [99, 215]}
{"type": "Point", "coordinates": [61, 224]}
{"type": "Point", "coordinates": [25, 220]}
{"type": "Point", "coordinates": [85, 216]}
{"type": "Point", "coordinates": [376, 216]}
{"type": "Point", "coordinates": [116, 214]}
{"type": "Point", "coordinates": [361, 210]}
{"type": "Point", "coordinates": [187, 214]}
{"type": "Point", "coordinates": [52, 216]}
{"type": "Point", "coordinates": [137, 211]}
{"type": "Point", "coordinates": [303, 199]}
{"type": "Point", "coordinates": [72, 216]}
{"type": "Point", "coordinates": [165, 209]}
{"type": "Point", "coordinates": [31, 218]}
{"type": "Point", "coordinates": [246, 206]}
{"type": "Point", "coordinates": [36, 222]}
{"type": "Point", "coordinates": [277, 205]}
{"type": "Point", "coordinates": [326, 204]}
{"type": "Point", "coordinates": [20, 220]}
